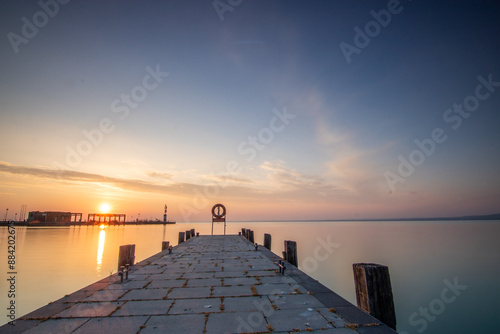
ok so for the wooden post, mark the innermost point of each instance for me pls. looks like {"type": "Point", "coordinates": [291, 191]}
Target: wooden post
{"type": "Point", "coordinates": [374, 291]}
{"type": "Point", "coordinates": [243, 231]}
{"type": "Point", "coordinates": [267, 241]}
{"type": "Point", "coordinates": [291, 252]}
{"type": "Point", "coordinates": [165, 245]}
{"type": "Point", "coordinates": [250, 236]}
{"type": "Point", "coordinates": [197, 234]}
{"type": "Point", "coordinates": [188, 234]}
{"type": "Point", "coordinates": [181, 237]}
{"type": "Point", "coordinates": [192, 232]}
{"type": "Point", "coordinates": [126, 255]}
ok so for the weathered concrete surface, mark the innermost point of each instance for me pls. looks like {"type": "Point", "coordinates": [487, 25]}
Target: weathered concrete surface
{"type": "Point", "coordinates": [209, 285]}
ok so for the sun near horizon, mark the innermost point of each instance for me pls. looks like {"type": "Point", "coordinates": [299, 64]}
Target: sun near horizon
{"type": "Point", "coordinates": [104, 208]}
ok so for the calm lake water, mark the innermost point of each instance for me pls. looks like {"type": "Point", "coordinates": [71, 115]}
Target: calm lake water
{"type": "Point", "coordinates": [424, 259]}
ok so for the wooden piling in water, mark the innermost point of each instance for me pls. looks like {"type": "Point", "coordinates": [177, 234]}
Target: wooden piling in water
{"type": "Point", "coordinates": [126, 255]}
{"type": "Point", "coordinates": [165, 245]}
{"type": "Point", "coordinates": [267, 241]}
{"type": "Point", "coordinates": [374, 292]}
{"type": "Point", "coordinates": [243, 231]}
{"type": "Point", "coordinates": [193, 232]}
{"type": "Point", "coordinates": [250, 236]}
{"type": "Point", "coordinates": [188, 234]}
{"type": "Point", "coordinates": [291, 252]}
{"type": "Point", "coordinates": [181, 237]}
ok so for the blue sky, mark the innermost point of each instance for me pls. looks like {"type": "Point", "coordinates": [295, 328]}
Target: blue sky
{"type": "Point", "coordinates": [349, 122]}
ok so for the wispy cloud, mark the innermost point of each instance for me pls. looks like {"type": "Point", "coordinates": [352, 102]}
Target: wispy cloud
{"type": "Point", "coordinates": [68, 176]}
{"type": "Point", "coordinates": [160, 175]}
{"type": "Point", "coordinates": [234, 185]}
{"type": "Point", "coordinates": [285, 178]}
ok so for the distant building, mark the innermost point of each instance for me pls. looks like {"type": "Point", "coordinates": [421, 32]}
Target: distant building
{"type": "Point", "coordinates": [53, 217]}
{"type": "Point", "coordinates": [111, 218]}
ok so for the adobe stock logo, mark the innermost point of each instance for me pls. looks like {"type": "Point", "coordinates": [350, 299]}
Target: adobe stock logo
{"type": "Point", "coordinates": [40, 19]}
{"type": "Point", "coordinates": [221, 7]}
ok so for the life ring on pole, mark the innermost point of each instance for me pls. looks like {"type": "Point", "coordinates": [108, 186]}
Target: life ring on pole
{"type": "Point", "coordinates": [217, 208]}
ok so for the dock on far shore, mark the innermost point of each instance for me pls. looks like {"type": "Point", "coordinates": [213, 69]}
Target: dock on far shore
{"type": "Point", "coordinates": [208, 284]}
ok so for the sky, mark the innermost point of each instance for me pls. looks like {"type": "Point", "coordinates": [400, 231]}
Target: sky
{"type": "Point", "coordinates": [280, 110]}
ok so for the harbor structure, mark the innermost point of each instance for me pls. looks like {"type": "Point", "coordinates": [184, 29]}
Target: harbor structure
{"type": "Point", "coordinates": [55, 217]}
{"type": "Point", "coordinates": [106, 218]}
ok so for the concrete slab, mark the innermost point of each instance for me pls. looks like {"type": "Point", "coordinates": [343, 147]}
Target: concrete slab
{"type": "Point", "coordinates": [204, 282]}
{"type": "Point", "coordinates": [107, 295]}
{"type": "Point", "coordinates": [144, 307]}
{"type": "Point", "coordinates": [275, 289]}
{"type": "Point", "coordinates": [20, 326]}
{"type": "Point", "coordinates": [262, 273]}
{"type": "Point", "coordinates": [183, 323]}
{"type": "Point", "coordinates": [117, 325]}
{"type": "Point", "coordinates": [201, 292]}
{"type": "Point", "coordinates": [166, 275]}
{"type": "Point", "coordinates": [48, 311]}
{"type": "Point", "coordinates": [296, 319]}
{"type": "Point", "coordinates": [253, 303]}
{"type": "Point", "coordinates": [145, 294]}
{"type": "Point", "coordinates": [277, 279]}
{"type": "Point", "coordinates": [295, 301]}
{"type": "Point", "coordinates": [85, 310]}
{"type": "Point", "coordinates": [332, 317]}
{"type": "Point", "coordinates": [168, 283]}
{"type": "Point", "coordinates": [57, 326]}
{"type": "Point", "coordinates": [236, 273]}
{"type": "Point", "coordinates": [198, 275]}
{"type": "Point", "coordinates": [137, 277]}
{"type": "Point", "coordinates": [194, 306]}
{"type": "Point", "coordinates": [232, 291]}
{"type": "Point", "coordinates": [240, 281]}
{"type": "Point", "coordinates": [127, 285]}
{"type": "Point", "coordinates": [236, 322]}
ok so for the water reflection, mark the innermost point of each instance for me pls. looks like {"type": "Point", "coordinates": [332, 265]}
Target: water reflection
{"type": "Point", "coordinates": [100, 249]}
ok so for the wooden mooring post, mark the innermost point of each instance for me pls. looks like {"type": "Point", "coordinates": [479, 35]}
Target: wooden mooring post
{"type": "Point", "coordinates": [126, 255]}
{"type": "Point", "coordinates": [291, 252]}
{"type": "Point", "coordinates": [374, 291]}
{"type": "Point", "coordinates": [165, 245]}
{"type": "Point", "coordinates": [181, 237]}
{"type": "Point", "coordinates": [267, 241]}
{"type": "Point", "coordinates": [250, 236]}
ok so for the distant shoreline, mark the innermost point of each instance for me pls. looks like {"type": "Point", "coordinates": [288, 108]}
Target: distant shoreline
{"type": "Point", "coordinates": [68, 224]}
{"type": "Point", "coordinates": [462, 218]}
{"type": "Point", "coordinates": [480, 217]}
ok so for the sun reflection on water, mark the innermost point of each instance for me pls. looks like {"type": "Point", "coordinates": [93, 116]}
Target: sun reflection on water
{"type": "Point", "coordinates": [100, 249]}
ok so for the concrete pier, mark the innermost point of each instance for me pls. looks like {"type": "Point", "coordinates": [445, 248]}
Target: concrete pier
{"type": "Point", "coordinates": [209, 284]}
